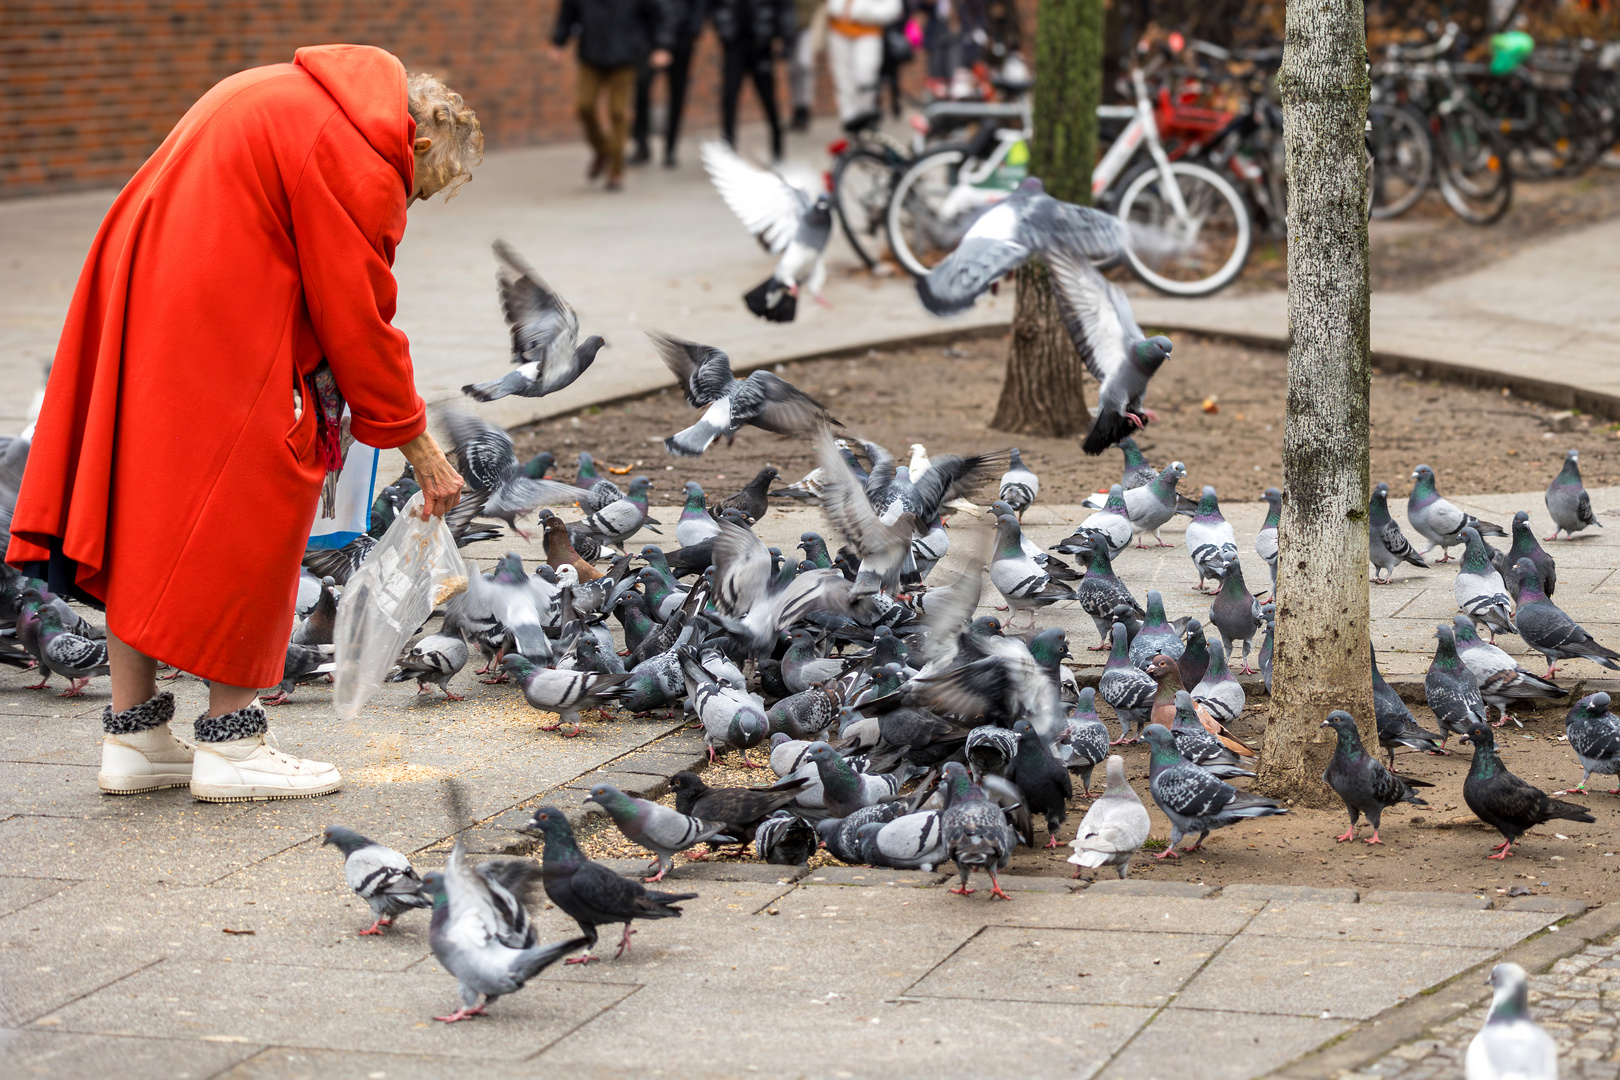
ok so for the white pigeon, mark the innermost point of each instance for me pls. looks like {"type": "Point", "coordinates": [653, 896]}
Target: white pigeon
{"type": "Point", "coordinates": [1114, 828]}
{"type": "Point", "coordinates": [1511, 1046]}
{"type": "Point", "coordinates": [786, 218]}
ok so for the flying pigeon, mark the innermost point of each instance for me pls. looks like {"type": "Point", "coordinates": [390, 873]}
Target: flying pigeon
{"type": "Point", "coordinates": [975, 831]}
{"type": "Point", "coordinates": [1546, 629]}
{"type": "Point", "coordinates": [1151, 506]}
{"type": "Point", "coordinates": [763, 399]}
{"type": "Point", "coordinates": [1505, 802]}
{"type": "Point", "coordinates": [1361, 779]}
{"type": "Point", "coordinates": [1439, 521]}
{"type": "Point", "coordinates": [563, 692]}
{"type": "Point", "coordinates": [1387, 546]}
{"type": "Point", "coordinates": [753, 605]}
{"type": "Point", "coordinates": [657, 828]}
{"type": "Point", "coordinates": [590, 893]}
{"type": "Point", "coordinates": [1193, 799]}
{"type": "Point", "coordinates": [1594, 734]}
{"type": "Point", "coordinates": [1567, 500]}
{"type": "Point", "coordinates": [1499, 676]}
{"type": "Point", "coordinates": [379, 875]}
{"type": "Point", "coordinates": [1019, 485]}
{"type": "Point", "coordinates": [1210, 539]}
{"type": "Point", "coordinates": [487, 461]}
{"type": "Point", "coordinates": [1511, 1046]}
{"type": "Point", "coordinates": [786, 219]}
{"type": "Point", "coordinates": [1114, 828]}
{"type": "Point", "coordinates": [1524, 546]}
{"type": "Point", "coordinates": [545, 335]}
{"type": "Point", "coordinates": [1265, 541]}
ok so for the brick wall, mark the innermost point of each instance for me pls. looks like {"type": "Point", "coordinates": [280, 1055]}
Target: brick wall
{"type": "Point", "coordinates": [91, 88]}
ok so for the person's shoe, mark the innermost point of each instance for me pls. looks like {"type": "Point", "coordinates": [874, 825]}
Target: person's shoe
{"type": "Point", "coordinates": [598, 167]}
{"type": "Point", "coordinates": [614, 183]}
{"type": "Point", "coordinates": [139, 752]}
{"type": "Point", "coordinates": [234, 763]}
{"type": "Point", "coordinates": [640, 157]}
{"type": "Point", "coordinates": [671, 161]}
{"type": "Point", "coordinates": [801, 118]}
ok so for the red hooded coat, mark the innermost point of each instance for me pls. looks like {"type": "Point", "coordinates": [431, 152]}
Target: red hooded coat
{"type": "Point", "coordinates": [167, 460]}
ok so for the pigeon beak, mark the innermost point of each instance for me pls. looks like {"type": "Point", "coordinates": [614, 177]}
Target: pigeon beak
{"type": "Point", "coordinates": [1325, 723]}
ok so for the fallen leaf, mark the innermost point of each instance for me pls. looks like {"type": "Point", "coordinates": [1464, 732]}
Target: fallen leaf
{"type": "Point", "coordinates": [620, 472]}
{"type": "Point", "coordinates": [228, 930]}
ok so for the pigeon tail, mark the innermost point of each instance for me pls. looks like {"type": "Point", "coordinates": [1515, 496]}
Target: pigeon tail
{"type": "Point", "coordinates": [772, 300]}
{"type": "Point", "coordinates": [692, 441]}
{"type": "Point", "coordinates": [512, 383]}
{"type": "Point", "coordinates": [1107, 429]}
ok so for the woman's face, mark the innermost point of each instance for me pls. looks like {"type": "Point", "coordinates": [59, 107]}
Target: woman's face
{"type": "Point", "coordinates": [422, 145]}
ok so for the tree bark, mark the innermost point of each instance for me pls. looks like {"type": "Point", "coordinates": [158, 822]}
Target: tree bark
{"type": "Point", "coordinates": [1044, 393]}
{"type": "Point", "coordinates": [1321, 657]}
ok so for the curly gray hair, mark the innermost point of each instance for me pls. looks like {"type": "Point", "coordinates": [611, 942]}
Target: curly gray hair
{"type": "Point", "coordinates": [458, 140]}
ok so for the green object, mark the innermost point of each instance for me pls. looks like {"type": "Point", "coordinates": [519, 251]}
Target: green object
{"type": "Point", "coordinates": [1012, 170]}
{"type": "Point", "coordinates": [1509, 50]}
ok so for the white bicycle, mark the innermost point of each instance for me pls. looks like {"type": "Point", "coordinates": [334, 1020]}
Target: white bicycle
{"type": "Point", "coordinates": [1201, 223]}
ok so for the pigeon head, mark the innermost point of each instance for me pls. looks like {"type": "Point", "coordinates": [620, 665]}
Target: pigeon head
{"type": "Point", "coordinates": [517, 665]}
{"type": "Point", "coordinates": [1423, 483]}
{"type": "Point", "coordinates": [638, 487]}
{"type": "Point", "coordinates": [546, 573]}
{"type": "Point", "coordinates": [1050, 646]}
{"type": "Point", "coordinates": [955, 780]}
{"type": "Point", "coordinates": [1590, 706]}
{"type": "Point", "coordinates": [552, 824]}
{"type": "Point", "coordinates": [586, 470]}
{"type": "Point", "coordinates": [348, 841]}
{"type": "Point", "coordinates": [820, 212]}
{"type": "Point", "coordinates": [1007, 535]}
{"type": "Point", "coordinates": [694, 494]}
{"type": "Point", "coordinates": [611, 799]}
{"type": "Point", "coordinates": [1150, 354]}
{"type": "Point", "coordinates": [585, 352]}
{"type": "Point", "coordinates": [1511, 1000]}
{"type": "Point", "coordinates": [1208, 505]}
{"type": "Point", "coordinates": [537, 467]}
{"type": "Point", "coordinates": [1339, 720]}
{"type": "Point", "coordinates": [1186, 711]}
{"type": "Point", "coordinates": [686, 783]}
{"type": "Point", "coordinates": [1161, 666]}
{"type": "Point", "coordinates": [433, 888]}
{"type": "Point", "coordinates": [1573, 456]}
{"type": "Point", "coordinates": [1133, 454]}
{"type": "Point", "coordinates": [509, 570]}
{"type": "Point", "coordinates": [1529, 582]}
{"type": "Point", "coordinates": [1480, 735]}
{"type": "Point", "coordinates": [1025, 731]}
{"type": "Point", "coordinates": [1032, 185]}
{"type": "Point", "coordinates": [985, 626]}
{"type": "Point", "coordinates": [1162, 746]}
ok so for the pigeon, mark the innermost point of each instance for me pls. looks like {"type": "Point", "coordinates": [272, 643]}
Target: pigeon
{"type": "Point", "coordinates": [1499, 676]}
{"type": "Point", "coordinates": [754, 499]}
{"type": "Point", "coordinates": [1505, 802]}
{"type": "Point", "coordinates": [1219, 693]}
{"type": "Point", "coordinates": [740, 810]}
{"type": "Point", "coordinates": [1594, 734]}
{"type": "Point", "coordinates": [1396, 724]}
{"type": "Point", "coordinates": [304, 664]}
{"type": "Point", "coordinates": [481, 933]}
{"type": "Point", "coordinates": [621, 519]}
{"type": "Point", "coordinates": [882, 542]}
{"type": "Point", "coordinates": [1111, 525]}
{"type": "Point", "coordinates": [732, 719]}
{"type": "Point", "coordinates": [1138, 473]}
{"type": "Point", "coordinates": [76, 658]}
{"type": "Point", "coordinates": [590, 893]}
{"type": "Point", "coordinates": [563, 692]}
{"type": "Point", "coordinates": [379, 875]}
{"type": "Point", "coordinates": [599, 489]}
{"type": "Point", "coordinates": [1021, 583]}
{"type": "Point", "coordinates": [1101, 591]}
{"type": "Point", "coordinates": [434, 659]}
{"type": "Point", "coordinates": [1269, 644]}
{"type": "Point", "coordinates": [1524, 546]}
{"type": "Point", "coordinates": [1479, 589]}
{"type": "Point", "coordinates": [804, 715]}
{"type": "Point", "coordinates": [975, 831]}
{"type": "Point", "coordinates": [1127, 688]}
{"type": "Point", "coordinates": [1265, 541]}
{"type": "Point", "coordinates": [763, 399]}
{"type": "Point", "coordinates": [843, 790]}
{"type": "Point", "coordinates": [1157, 636]}
{"type": "Point", "coordinates": [318, 627]}
{"type": "Point", "coordinates": [1195, 655]}
{"type": "Point", "coordinates": [1199, 746]}
{"type": "Point", "coordinates": [1387, 546]}
{"type": "Point", "coordinates": [1567, 500]}
{"type": "Point", "coordinates": [1019, 486]}
{"type": "Point", "coordinates": [786, 839]}
{"type": "Point", "coordinates": [1087, 736]}
{"type": "Point", "coordinates": [1546, 629]}
{"type": "Point", "coordinates": [545, 335]}
{"type": "Point", "coordinates": [1450, 688]}
{"type": "Point", "coordinates": [1511, 1046]}
{"type": "Point", "coordinates": [1236, 614]}
{"type": "Point", "coordinates": [1042, 780]}
{"type": "Point", "coordinates": [1361, 779]}
{"type": "Point", "coordinates": [488, 462]}
{"type": "Point", "coordinates": [1151, 506]}
{"type": "Point", "coordinates": [786, 219]}
{"type": "Point", "coordinates": [1192, 798]}
{"type": "Point", "coordinates": [754, 606]}
{"type": "Point", "coordinates": [1437, 520]}
{"type": "Point", "coordinates": [1114, 828]}
{"type": "Point", "coordinates": [657, 828]}
{"type": "Point", "coordinates": [909, 842]}
{"type": "Point", "coordinates": [1210, 539]}
{"type": "Point", "coordinates": [696, 524]}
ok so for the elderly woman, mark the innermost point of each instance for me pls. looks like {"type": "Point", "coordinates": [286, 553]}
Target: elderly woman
{"type": "Point", "coordinates": [238, 285]}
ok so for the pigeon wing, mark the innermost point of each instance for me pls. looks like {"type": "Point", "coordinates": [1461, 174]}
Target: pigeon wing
{"type": "Point", "coordinates": [544, 326]}
{"type": "Point", "coordinates": [742, 568]}
{"type": "Point", "coordinates": [769, 401]}
{"type": "Point", "coordinates": [704, 371]}
{"type": "Point", "coordinates": [484, 453]}
{"type": "Point", "coordinates": [994, 247]}
{"type": "Point", "coordinates": [1095, 313]}
{"type": "Point", "coordinates": [766, 202]}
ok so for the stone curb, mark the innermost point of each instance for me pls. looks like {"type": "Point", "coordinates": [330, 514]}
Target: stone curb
{"type": "Point", "coordinates": [1409, 1020]}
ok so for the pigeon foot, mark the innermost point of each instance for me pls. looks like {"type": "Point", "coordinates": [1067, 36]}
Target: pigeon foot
{"type": "Point", "coordinates": [571, 734]}
{"type": "Point", "coordinates": [462, 1014]}
{"type": "Point", "coordinates": [587, 958]}
{"type": "Point", "coordinates": [75, 688]}
{"type": "Point", "coordinates": [996, 893]}
{"type": "Point", "coordinates": [1168, 853]}
{"type": "Point", "coordinates": [39, 685]}
{"type": "Point", "coordinates": [624, 942]}
{"type": "Point", "coordinates": [1504, 853]}
{"type": "Point", "coordinates": [963, 890]}
{"type": "Point", "coordinates": [1051, 841]}
{"type": "Point", "coordinates": [376, 928]}
{"type": "Point", "coordinates": [448, 696]}
{"type": "Point", "coordinates": [1349, 834]}
{"type": "Point", "coordinates": [1373, 839]}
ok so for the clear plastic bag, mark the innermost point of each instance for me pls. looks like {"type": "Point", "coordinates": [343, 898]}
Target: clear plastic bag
{"type": "Point", "coordinates": [413, 567]}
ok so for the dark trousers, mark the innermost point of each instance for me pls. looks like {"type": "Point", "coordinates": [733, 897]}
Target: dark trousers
{"type": "Point", "coordinates": [748, 60]}
{"type": "Point", "coordinates": [680, 64]}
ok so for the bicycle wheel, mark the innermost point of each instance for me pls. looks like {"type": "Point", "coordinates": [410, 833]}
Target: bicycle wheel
{"type": "Point", "coordinates": [861, 181]}
{"type": "Point", "coordinates": [1195, 257]}
{"type": "Point", "coordinates": [1403, 159]}
{"type": "Point", "coordinates": [930, 211]}
{"type": "Point", "coordinates": [1472, 168]}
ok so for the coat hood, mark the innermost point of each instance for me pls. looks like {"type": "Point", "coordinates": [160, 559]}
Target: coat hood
{"type": "Point", "coordinates": [368, 84]}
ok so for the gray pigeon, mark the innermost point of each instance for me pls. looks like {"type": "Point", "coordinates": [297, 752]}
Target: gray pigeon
{"type": "Point", "coordinates": [1567, 500]}
{"type": "Point", "coordinates": [660, 830]}
{"type": "Point", "coordinates": [1024, 585]}
{"type": "Point", "coordinates": [563, 692]}
{"type": "Point", "coordinates": [481, 932]}
{"type": "Point", "coordinates": [909, 842]}
{"type": "Point", "coordinates": [1193, 799]}
{"type": "Point", "coordinates": [1265, 541]}
{"type": "Point", "coordinates": [1500, 678]}
{"type": "Point", "coordinates": [488, 463]}
{"type": "Point", "coordinates": [379, 875]}
{"type": "Point", "coordinates": [1450, 688]}
{"type": "Point", "coordinates": [1236, 614]}
{"type": "Point", "coordinates": [1211, 542]}
{"type": "Point", "coordinates": [599, 491]}
{"type": "Point", "coordinates": [1511, 1046]}
{"type": "Point", "coordinates": [1547, 629]}
{"type": "Point", "coordinates": [1594, 734]}
{"type": "Point", "coordinates": [1361, 780]}
{"type": "Point", "coordinates": [1387, 546]}
{"type": "Point", "coordinates": [1524, 546]}
{"type": "Point", "coordinates": [1127, 688]}
{"type": "Point", "coordinates": [621, 519]}
{"type": "Point", "coordinates": [1479, 589]}
{"type": "Point", "coordinates": [1396, 724]}
{"type": "Point", "coordinates": [434, 659]}
{"type": "Point", "coordinates": [1114, 828]}
{"type": "Point", "coordinates": [1219, 693]}
{"type": "Point", "coordinates": [785, 839]}
{"type": "Point", "coordinates": [318, 626]}
{"type": "Point", "coordinates": [1101, 591]}
{"type": "Point", "coordinates": [976, 831]}
{"type": "Point", "coordinates": [61, 652]}
{"type": "Point", "coordinates": [1019, 485]}
{"type": "Point", "coordinates": [1086, 738]}
{"type": "Point", "coordinates": [545, 331]}
{"type": "Point", "coordinates": [1151, 506]}
{"type": "Point", "coordinates": [304, 664]}
{"type": "Point", "coordinates": [1111, 524]}
{"type": "Point", "coordinates": [696, 523]}
{"type": "Point", "coordinates": [763, 399]}
{"type": "Point", "coordinates": [732, 719]}
{"type": "Point", "coordinates": [1440, 523]}
{"type": "Point", "coordinates": [786, 219]}
{"type": "Point", "coordinates": [1201, 748]}
{"type": "Point", "coordinates": [1157, 635]}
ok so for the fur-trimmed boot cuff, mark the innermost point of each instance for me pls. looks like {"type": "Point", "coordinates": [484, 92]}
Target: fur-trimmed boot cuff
{"type": "Point", "coordinates": [241, 724]}
{"type": "Point", "coordinates": [149, 714]}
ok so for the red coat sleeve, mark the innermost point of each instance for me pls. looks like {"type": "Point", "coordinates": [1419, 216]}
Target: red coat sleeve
{"type": "Point", "coordinates": [348, 214]}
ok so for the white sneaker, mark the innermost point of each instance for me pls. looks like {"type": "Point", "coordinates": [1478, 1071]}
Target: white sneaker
{"type": "Point", "coordinates": [146, 760]}
{"type": "Point", "coordinates": [250, 770]}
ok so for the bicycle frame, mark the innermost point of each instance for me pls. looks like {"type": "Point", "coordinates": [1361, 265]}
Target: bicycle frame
{"type": "Point", "coordinates": [1142, 130]}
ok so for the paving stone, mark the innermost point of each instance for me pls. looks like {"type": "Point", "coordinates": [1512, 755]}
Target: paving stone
{"type": "Point", "coordinates": [658, 762]}
{"type": "Point", "coordinates": [1128, 887]}
{"type": "Point", "coordinates": [1556, 905]}
{"type": "Point", "coordinates": [1167, 915]}
{"type": "Point", "coordinates": [154, 848]}
{"type": "Point", "coordinates": [290, 1063]}
{"type": "Point", "coordinates": [52, 1054]}
{"type": "Point", "coordinates": [637, 785]}
{"type": "Point", "coordinates": [1426, 899]}
{"type": "Point", "coordinates": [18, 892]}
{"type": "Point", "coordinates": [1221, 1045]}
{"type": "Point", "coordinates": [1293, 893]}
{"type": "Point", "coordinates": [1399, 923]}
{"type": "Point", "coordinates": [855, 875]}
{"type": "Point", "coordinates": [1030, 883]}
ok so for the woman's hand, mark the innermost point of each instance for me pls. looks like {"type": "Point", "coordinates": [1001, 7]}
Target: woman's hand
{"type": "Point", "coordinates": [440, 483]}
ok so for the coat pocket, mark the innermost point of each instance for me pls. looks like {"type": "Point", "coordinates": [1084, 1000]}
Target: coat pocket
{"type": "Point", "coordinates": [301, 436]}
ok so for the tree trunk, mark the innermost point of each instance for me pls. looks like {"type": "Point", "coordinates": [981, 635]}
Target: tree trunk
{"type": "Point", "coordinates": [1321, 658]}
{"type": "Point", "coordinates": [1044, 393]}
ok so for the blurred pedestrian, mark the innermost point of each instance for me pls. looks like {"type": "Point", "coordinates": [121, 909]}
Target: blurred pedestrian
{"type": "Point", "coordinates": [855, 54]}
{"type": "Point", "coordinates": [615, 37]}
{"type": "Point", "coordinates": [750, 32]}
{"type": "Point", "coordinates": [686, 22]}
{"type": "Point", "coordinates": [809, 31]}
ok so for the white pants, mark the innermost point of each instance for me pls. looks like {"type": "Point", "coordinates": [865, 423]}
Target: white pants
{"type": "Point", "coordinates": [802, 70]}
{"type": "Point", "coordinates": [855, 63]}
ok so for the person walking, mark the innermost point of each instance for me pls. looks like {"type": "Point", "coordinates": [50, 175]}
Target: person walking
{"type": "Point", "coordinates": [686, 22]}
{"type": "Point", "coordinates": [749, 31]}
{"type": "Point", "coordinates": [855, 55]}
{"type": "Point", "coordinates": [238, 292]}
{"type": "Point", "coordinates": [802, 60]}
{"type": "Point", "coordinates": [615, 37]}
